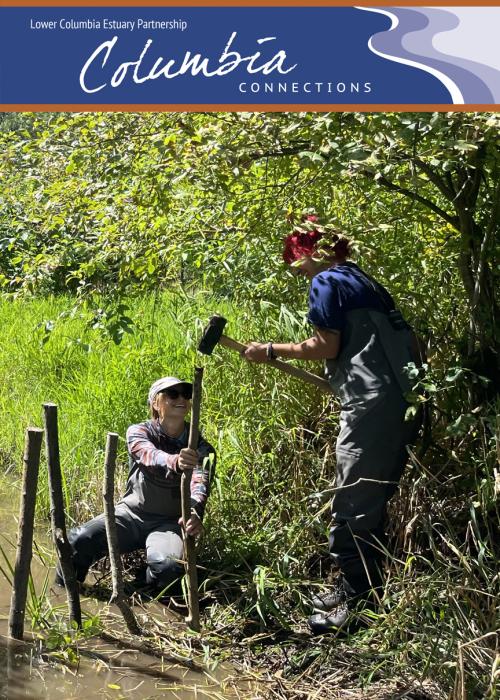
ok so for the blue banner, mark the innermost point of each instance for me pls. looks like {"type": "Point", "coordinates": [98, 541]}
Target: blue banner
{"type": "Point", "coordinates": [249, 55]}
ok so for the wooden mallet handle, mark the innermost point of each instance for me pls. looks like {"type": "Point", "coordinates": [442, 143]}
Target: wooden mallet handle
{"type": "Point", "coordinates": [193, 619]}
{"type": "Point", "coordinates": [283, 366]}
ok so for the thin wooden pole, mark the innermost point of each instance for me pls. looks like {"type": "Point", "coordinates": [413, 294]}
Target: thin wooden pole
{"type": "Point", "coordinates": [193, 619]}
{"type": "Point", "coordinates": [117, 596]}
{"type": "Point", "coordinates": [31, 462]}
{"type": "Point", "coordinates": [57, 515]}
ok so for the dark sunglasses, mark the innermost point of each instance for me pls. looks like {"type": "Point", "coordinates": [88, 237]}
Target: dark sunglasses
{"type": "Point", "coordinates": [186, 393]}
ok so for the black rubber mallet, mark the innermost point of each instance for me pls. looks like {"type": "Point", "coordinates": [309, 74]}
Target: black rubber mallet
{"type": "Point", "coordinates": [213, 335]}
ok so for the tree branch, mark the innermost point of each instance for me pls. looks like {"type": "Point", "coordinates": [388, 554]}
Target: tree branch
{"type": "Point", "coordinates": [481, 267]}
{"type": "Point", "coordinates": [477, 177]}
{"type": "Point", "coordinates": [445, 190]}
{"type": "Point", "coordinates": [451, 184]}
{"type": "Point", "coordinates": [452, 220]}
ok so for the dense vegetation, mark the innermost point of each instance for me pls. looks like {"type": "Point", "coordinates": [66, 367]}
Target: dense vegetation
{"type": "Point", "coordinates": [121, 233]}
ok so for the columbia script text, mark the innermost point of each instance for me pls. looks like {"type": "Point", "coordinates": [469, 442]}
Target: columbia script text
{"type": "Point", "coordinates": [141, 70]}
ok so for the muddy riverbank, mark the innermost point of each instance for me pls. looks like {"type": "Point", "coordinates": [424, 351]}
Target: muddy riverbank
{"type": "Point", "coordinates": [99, 666]}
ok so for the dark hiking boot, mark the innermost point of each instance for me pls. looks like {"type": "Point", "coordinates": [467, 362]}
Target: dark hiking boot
{"type": "Point", "coordinates": [342, 621]}
{"type": "Point", "coordinates": [330, 621]}
{"type": "Point", "coordinates": [328, 600]}
{"type": "Point", "coordinates": [341, 610]}
{"type": "Point", "coordinates": [357, 586]}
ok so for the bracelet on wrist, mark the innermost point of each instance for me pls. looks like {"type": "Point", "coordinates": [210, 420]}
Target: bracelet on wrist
{"type": "Point", "coordinates": [271, 355]}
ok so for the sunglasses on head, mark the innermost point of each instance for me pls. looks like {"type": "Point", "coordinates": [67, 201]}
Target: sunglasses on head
{"type": "Point", "coordinates": [186, 392]}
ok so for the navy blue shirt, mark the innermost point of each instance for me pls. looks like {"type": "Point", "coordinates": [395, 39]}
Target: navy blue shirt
{"type": "Point", "coordinates": [340, 289]}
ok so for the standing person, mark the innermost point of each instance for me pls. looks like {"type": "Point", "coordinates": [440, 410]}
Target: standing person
{"type": "Point", "coordinates": [149, 514]}
{"type": "Point", "coordinates": [365, 343]}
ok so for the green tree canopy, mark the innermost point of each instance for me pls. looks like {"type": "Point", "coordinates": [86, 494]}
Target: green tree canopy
{"type": "Point", "coordinates": [95, 201]}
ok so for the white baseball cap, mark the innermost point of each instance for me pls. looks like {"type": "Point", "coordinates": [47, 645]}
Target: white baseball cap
{"type": "Point", "coordinates": [165, 383]}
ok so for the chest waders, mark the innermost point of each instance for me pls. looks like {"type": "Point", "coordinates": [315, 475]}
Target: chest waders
{"type": "Point", "coordinates": [369, 380]}
{"type": "Point", "coordinates": [148, 494]}
{"type": "Point", "coordinates": [146, 518]}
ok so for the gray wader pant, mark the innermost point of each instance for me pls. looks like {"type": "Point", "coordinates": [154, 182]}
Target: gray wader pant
{"type": "Point", "coordinates": [371, 445]}
{"type": "Point", "coordinates": [161, 538]}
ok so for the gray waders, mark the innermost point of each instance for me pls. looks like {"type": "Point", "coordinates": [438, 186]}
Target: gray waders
{"type": "Point", "coordinates": [146, 518]}
{"type": "Point", "coordinates": [369, 380]}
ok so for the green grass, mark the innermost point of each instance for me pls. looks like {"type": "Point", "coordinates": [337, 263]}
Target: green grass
{"type": "Point", "coordinates": [275, 439]}
{"type": "Point", "coordinates": [252, 415]}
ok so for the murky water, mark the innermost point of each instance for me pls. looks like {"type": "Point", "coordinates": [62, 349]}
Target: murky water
{"type": "Point", "coordinates": [104, 669]}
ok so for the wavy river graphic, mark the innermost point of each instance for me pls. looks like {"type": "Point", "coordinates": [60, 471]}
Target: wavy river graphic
{"type": "Point", "coordinates": [457, 45]}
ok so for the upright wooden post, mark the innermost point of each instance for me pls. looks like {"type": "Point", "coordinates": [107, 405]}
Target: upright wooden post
{"type": "Point", "coordinates": [193, 620]}
{"type": "Point", "coordinates": [31, 462]}
{"type": "Point", "coordinates": [57, 516]}
{"type": "Point", "coordinates": [108, 494]}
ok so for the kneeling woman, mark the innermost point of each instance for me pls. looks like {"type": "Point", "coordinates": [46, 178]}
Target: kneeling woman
{"type": "Point", "coordinates": [149, 514]}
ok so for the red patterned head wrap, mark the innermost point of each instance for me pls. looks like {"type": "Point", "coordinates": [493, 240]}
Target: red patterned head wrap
{"type": "Point", "coordinates": [303, 241]}
{"type": "Point", "coordinates": [300, 244]}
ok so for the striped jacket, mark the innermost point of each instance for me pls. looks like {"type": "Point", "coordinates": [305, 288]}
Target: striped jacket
{"type": "Point", "coordinates": [153, 485]}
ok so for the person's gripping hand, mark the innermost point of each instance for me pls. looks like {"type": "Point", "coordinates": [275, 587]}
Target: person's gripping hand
{"type": "Point", "coordinates": [255, 352]}
{"type": "Point", "coordinates": [194, 526]}
{"type": "Point", "coordinates": [188, 459]}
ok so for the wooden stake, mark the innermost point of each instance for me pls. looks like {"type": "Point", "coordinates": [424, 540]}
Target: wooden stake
{"type": "Point", "coordinates": [31, 462]}
{"type": "Point", "coordinates": [193, 619]}
{"type": "Point", "coordinates": [118, 596]}
{"type": "Point", "coordinates": [57, 515]}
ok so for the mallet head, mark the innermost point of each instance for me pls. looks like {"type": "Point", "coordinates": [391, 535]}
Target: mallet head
{"type": "Point", "coordinates": [212, 334]}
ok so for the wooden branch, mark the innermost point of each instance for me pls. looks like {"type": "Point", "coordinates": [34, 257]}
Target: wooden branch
{"type": "Point", "coordinates": [445, 190]}
{"type": "Point", "coordinates": [31, 461]}
{"type": "Point", "coordinates": [469, 178]}
{"type": "Point", "coordinates": [464, 266]}
{"type": "Point", "coordinates": [108, 493]}
{"type": "Point", "coordinates": [145, 648]}
{"type": "Point", "coordinates": [497, 439]}
{"type": "Point", "coordinates": [452, 220]}
{"type": "Point", "coordinates": [450, 183]}
{"type": "Point", "coordinates": [57, 515]}
{"type": "Point", "coordinates": [481, 266]}
{"type": "Point", "coordinates": [193, 620]}
{"type": "Point", "coordinates": [476, 174]}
